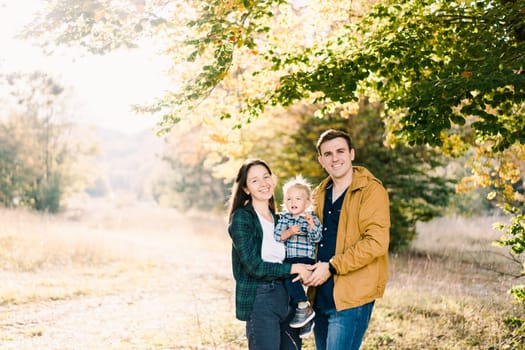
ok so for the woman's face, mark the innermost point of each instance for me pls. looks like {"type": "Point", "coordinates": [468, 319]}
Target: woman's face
{"type": "Point", "coordinates": [259, 183]}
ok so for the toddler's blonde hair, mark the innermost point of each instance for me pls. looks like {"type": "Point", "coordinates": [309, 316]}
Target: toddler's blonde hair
{"type": "Point", "coordinates": [298, 182]}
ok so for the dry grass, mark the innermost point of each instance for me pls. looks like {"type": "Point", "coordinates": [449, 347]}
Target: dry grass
{"type": "Point", "coordinates": [467, 240]}
{"type": "Point", "coordinates": [30, 242]}
{"type": "Point", "coordinates": [148, 278]}
{"type": "Point", "coordinates": [448, 292]}
{"type": "Point", "coordinates": [48, 258]}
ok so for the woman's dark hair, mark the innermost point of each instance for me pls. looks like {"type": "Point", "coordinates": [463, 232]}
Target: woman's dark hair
{"type": "Point", "coordinates": [239, 198]}
{"type": "Point", "coordinates": [333, 134]}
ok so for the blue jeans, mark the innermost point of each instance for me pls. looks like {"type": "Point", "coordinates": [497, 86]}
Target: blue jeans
{"type": "Point", "coordinates": [267, 327]}
{"type": "Point", "coordinates": [341, 330]}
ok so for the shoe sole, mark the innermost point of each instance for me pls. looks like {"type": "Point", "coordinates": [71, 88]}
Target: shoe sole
{"type": "Point", "coordinates": [299, 325]}
{"type": "Point", "coordinates": [304, 335]}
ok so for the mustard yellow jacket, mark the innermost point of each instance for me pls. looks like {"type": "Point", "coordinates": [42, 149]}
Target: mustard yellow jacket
{"type": "Point", "coordinates": [363, 235]}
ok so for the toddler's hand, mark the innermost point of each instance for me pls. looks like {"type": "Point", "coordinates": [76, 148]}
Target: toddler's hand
{"type": "Point", "coordinates": [310, 221]}
{"type": "Point", "coordinates": [295, 229]}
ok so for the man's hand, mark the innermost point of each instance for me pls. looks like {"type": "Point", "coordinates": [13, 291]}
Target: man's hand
{"type": "Point", "coordinates": [320, 274]}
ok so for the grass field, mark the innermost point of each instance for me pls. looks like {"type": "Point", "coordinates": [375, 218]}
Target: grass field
{"type": "Point", "coordinates": [121, 277]}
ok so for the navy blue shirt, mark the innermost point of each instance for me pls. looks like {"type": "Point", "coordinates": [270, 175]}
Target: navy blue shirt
{"type": "Point", "coordinates": [324, 298]}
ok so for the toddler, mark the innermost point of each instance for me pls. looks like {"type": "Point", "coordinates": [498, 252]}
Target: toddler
{"type": "Point", "coordinates": [301, 230]}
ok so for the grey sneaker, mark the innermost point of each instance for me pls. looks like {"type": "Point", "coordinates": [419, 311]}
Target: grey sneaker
{"type": "Point", "coordinates": [307, 329]}
{"type": "Point", "coordinates": [302, 316]}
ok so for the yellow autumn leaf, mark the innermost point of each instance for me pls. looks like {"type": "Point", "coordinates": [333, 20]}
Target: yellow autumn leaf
{"type": "Point", "coordinates": [218, 138]}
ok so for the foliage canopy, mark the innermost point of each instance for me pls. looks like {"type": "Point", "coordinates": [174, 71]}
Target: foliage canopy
{"type": "Point", "coordinates": [436, 64]}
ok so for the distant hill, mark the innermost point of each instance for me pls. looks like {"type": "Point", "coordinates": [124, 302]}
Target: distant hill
{"type": "Point", "coordinates": [126, 163]}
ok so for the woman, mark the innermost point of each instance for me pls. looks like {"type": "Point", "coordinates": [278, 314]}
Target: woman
{"type": "Point", "coordinates": [257, 260]}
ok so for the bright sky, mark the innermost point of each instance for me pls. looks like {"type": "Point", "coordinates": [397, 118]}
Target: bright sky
{"type": "Point", "coordinates": [105, 86]}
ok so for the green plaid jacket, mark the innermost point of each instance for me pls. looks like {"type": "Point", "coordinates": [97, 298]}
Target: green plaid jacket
{"type": "Point", "coordinates": [248, 267]}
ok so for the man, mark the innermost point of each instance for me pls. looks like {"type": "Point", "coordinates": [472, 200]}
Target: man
{"type": "Point", "coordinates": [352, 258]}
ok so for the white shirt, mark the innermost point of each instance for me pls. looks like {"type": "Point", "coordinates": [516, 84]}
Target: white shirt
{"type": "Point", "coordinates": [271, 251]}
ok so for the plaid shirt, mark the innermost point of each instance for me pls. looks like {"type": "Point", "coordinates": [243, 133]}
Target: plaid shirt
{"type": "Point", "coordinates": [248, 267]}
{"type": "Point", "coordinates": [302, 244]}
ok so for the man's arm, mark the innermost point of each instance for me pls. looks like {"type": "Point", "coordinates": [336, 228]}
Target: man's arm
{"type": "Point", "coordinates": [374, 222]}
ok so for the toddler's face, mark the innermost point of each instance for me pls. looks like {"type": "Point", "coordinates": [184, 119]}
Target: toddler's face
{"type": "Point", "coordinates": [296, 200]}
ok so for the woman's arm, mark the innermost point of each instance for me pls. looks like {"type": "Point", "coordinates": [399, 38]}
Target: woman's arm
{"type": "Point", "coordinates": [247, 245]}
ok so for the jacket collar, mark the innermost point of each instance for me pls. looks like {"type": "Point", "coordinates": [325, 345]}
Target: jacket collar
{"type": "Point", "coordinates": [360, 178]}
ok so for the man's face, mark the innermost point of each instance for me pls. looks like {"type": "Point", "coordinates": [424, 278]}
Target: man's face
{"type": "Point", "coordinates": [336, 158]}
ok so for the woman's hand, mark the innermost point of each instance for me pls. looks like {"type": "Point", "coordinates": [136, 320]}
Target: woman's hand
{"type": "Point", "coordinates": [302, 270]}
{"type": "Point", "coordinates": [320, 273]}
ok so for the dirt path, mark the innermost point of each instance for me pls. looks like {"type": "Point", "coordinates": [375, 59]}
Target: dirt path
{"type": "Point", "coordinates": [185, 292]}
